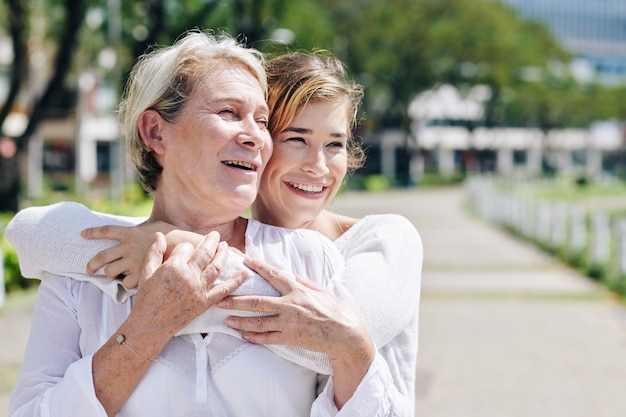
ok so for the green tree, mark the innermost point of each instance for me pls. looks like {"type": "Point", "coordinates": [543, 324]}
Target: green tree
{"type": "Point", "coordinates": [422, 43]}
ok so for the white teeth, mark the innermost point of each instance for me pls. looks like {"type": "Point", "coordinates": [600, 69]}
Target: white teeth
{"type": "Point", "coordinates": [240, 164]}
{"type": "Point", "coordinates": [308, 188]}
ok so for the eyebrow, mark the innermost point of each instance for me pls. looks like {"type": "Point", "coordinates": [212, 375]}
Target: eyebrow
{"type": "Point", "coordinates": [227, 100]}
{"type": "Point", "coordinates": [305, 131]}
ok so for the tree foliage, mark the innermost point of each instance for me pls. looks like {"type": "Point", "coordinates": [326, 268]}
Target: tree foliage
{"type": "Point", "coordinates": [396, 48]}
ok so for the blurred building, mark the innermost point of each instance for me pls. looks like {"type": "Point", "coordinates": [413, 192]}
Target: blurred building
{"type": "Point", "coordinates": [594, 31]}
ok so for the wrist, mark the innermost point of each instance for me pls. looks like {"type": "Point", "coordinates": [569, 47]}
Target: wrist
{"type": "Point", "coordinates": [358, 351]}
{"type": "Point", "coordinates": [146, 340]}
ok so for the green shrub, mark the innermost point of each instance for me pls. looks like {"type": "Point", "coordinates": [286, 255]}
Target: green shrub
{"type": "Point", "coordinates": [375, 183]}
{"type": "Point", "coordinates": [13, 279]}
{"type": "Point", "coordinates": [435, 179]}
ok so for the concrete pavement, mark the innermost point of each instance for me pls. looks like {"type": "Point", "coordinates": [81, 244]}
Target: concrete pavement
{"type": "Point", "coordinates": [505, 331]}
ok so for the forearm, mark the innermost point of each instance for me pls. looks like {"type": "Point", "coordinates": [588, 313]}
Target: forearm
{"type": "Point", "coordinates": [350, 369]}
{"type": "Point", "coordinates": [47, 239]}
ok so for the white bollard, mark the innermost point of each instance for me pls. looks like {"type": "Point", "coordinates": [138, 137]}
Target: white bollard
{"type": "Point", "coordinates": [621, 242]}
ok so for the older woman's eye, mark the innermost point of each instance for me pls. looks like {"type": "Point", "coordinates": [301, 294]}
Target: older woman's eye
{"type": "Point", "coordinates": [263, 123]}
{"type": "Point", "coordinates": [227, 112]}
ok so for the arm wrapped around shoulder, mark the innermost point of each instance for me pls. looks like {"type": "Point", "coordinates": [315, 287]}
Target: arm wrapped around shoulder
{"type": "Point", "coordinates": [47, 238]}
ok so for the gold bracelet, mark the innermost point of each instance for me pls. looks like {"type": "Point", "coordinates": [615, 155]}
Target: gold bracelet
{"type": "Point", "coordinates": [121, 340]}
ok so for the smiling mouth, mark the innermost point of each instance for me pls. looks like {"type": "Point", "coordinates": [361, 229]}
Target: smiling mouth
{"type": "Point", "coordinates": [308, 188]}
{"type": "Point", "coordinates": [240, 164]}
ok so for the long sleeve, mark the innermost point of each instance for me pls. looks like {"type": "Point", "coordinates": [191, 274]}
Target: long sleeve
{"type": "Point", "coordinates": [376, 396]}
{"type": "Point", "coordinates": [55, 381]}
{"type": "Point", "coordinates": [381, 281]}
{"type": "Point", "coordinates": [382, 277]}
{"type": "Point", "coordinates": [40, 234]}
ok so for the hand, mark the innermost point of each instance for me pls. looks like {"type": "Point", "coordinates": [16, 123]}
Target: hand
{"type": "Point", "coordinates": [126, 259]}
{"type": "Point", "coordinates": [173, 292]}
{"type": "Point", "coordinates": [305, 315]}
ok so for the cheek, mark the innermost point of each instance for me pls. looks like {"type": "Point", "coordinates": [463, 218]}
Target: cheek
{"type": "Point", "coordinates": [338, 165]}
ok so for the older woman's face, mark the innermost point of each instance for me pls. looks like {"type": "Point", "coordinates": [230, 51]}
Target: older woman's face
{"type": "Point", "coordinates": [307, 167]}
{"type": "Point", "coordinates": [217, 148]}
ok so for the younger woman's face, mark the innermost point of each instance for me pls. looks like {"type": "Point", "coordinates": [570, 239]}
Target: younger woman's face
{"type": "Point", "coordinates": [307, 167]}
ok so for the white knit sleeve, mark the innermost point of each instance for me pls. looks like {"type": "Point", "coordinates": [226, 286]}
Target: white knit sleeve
{"type": "Point", "coordinates": [382, 275]}
{"type": "Point", "coordinates": [47, 239]}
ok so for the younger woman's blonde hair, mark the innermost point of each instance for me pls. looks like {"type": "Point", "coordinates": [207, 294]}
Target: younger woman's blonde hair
{"type": "Point", "coordinates": [298, 78]}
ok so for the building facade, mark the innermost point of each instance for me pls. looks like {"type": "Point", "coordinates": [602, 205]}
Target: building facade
{"type": "Point", "coordinates": [594, 31]}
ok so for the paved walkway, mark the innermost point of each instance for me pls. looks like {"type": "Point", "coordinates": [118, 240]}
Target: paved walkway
{"type": "Point", "coordinates": [505, 330]}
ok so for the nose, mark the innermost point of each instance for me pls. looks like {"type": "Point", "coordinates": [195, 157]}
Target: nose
{"type": "Point", "coordinates": [254, 135]}
{"type": "Point", "coordinates": [315, 162]}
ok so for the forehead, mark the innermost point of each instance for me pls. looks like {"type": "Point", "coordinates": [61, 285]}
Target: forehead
{"type": "Point", "coordinates": [324, 114]}
{"type": "Point", "coordinates": [228, 79]}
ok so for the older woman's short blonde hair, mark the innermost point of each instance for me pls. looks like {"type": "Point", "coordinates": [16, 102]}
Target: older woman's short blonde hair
{"type": "Point", "coordinates": [298, 78]}
{"type": "Point", "coordinates": [164, 79]}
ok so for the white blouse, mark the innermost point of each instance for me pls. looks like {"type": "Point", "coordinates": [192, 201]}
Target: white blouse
{"type": "Point", "coordinates": [384, 256]}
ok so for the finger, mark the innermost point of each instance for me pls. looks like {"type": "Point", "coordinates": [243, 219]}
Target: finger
{"type": "Point", "coordinates": [115, 270]}
{"type": "Point", "coordinates": [103, 258]}
{"type": "Point", "coordinates": [253, 303]}
{"type": "Point", "coordinates": [280, 280]}
{"type": "Point", "coordinates": [220, 291]}
{"type": "Point", "coordinates": [154, 257]}
{"type": "Point", "coordinates": [254, 324]}
{"type": "Point", "coordinates": [266, 338]}
{"type": "Point", "coordinates": [130, 281]}
{"type": "Point", "coordinates": [205, 250]}
{"type": "Point", "coordinates": [105, 232]}
{"type": "Point", "coordinates": [212, 271]}
{"type": "Point", "coordinates": [181, 252]}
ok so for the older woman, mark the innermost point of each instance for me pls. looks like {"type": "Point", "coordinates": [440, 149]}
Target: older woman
{"type": "Point", "coordinates": [313, 109]}
{"type": "Point", "coordinates": [196, 119]}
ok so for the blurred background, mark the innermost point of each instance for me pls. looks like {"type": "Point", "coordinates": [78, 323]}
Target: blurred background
{"type": "Point", "coordinates": [516, 90]}
{"type": "Point", "coordinates": [478, 113]}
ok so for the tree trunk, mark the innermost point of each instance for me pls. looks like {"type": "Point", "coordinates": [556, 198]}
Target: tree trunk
{"type": "Point", "coordinates": [67, 44]}
{"type": "Point", "coordinates": [18, 67]}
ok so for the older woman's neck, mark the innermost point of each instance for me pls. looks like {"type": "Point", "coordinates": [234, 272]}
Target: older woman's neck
{"type": "Point", "coordinates": [202, 221]}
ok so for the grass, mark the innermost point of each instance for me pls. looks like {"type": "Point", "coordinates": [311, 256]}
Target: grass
{"type": "Point", "coordinates": [569, 191]}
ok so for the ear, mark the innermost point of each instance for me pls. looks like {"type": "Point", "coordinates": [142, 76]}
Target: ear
{"type": "Point", "coordinates": [150, 125]}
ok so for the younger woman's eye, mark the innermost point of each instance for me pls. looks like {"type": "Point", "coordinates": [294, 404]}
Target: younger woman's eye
{"type": "Point", "coordinates": [340, 145]}
{"type": "Point", "coordinates": [296, 139]}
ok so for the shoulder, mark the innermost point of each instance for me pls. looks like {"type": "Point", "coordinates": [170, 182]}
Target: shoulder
{"type": "Point", "coordinates": [390, 234]}
{"type": "Point", "coordinates": [384, 226]}
{"type": "Point", "coordinates": [266, 233]}
{"type": "Point", "coordinates": [306, 252]}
